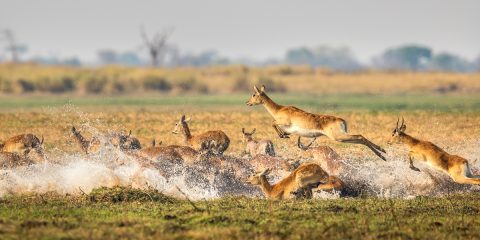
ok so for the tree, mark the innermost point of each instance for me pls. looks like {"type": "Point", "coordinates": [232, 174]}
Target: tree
{"type": "Point", "coordinates": [324, 56]}
{"type": "Point", "coordinates": [156, 45]}
{"type": "Point", "coordinates": [107, 56]}
{"type": "Point", "coordinates": [13, 47]}
{"type": "Point", "coordinates": [450, 62]}
{"type": "Point", "coordinates": [408, 57]}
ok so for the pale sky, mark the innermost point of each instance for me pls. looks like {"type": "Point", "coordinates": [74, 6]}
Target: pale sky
{"type": "Point", "coordinates": [256, 29]}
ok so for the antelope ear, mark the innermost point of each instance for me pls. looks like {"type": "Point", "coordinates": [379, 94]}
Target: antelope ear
{"type": "Point", "coordinates": [403, 128]}
{"type": "Point", "coordinates": [130, 133]}
{"type": "Point", "coordinates": [153, 143]}
{"type": "Point", "coordinates": [41, 143]}
{"type": "Point", "coordinates": [263, 88]}
{"type": "Point", "coordinates": [256, 89]}
{"type": "Point", "coordinates": [265, 172]}
{"type": "Point", "coordinates": [243, 130]}
{"type": "Point", "coordinates": [182, 118]}
{"type": "Point", "coordinates": [187, 120]}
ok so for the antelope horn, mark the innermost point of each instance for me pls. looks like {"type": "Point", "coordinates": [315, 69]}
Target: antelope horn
{"type": "Point", "coordinates": [403, 122]}
{"type": "Point", "coordinates": [398, 120]}
{"type": "Point", "coordinates": [253, 131]}
{"type": "Point", "coordinates": [42, 140]}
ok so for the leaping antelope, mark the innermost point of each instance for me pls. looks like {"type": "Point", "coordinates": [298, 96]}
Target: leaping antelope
{"type": "Point", "coordinates": [453, 165]}
{"type": "Point", "coordinates": [23, 144]}
{"type": "Point", "coordinates": [300, 178]}
{"type": "Point", "coordinates": [256, 147]}
{"type": "Point", "coordinates": [292, 120]}
{"type": "Point", "coordinates": [216, 140]}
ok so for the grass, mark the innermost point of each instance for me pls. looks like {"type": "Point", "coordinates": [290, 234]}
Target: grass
{"type": "Point", "coordinates": [59, 217]}
{"type": "Point", "coordinates": [338, 102]}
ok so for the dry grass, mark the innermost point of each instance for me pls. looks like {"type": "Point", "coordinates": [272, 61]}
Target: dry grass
{"type": "Point", "coordinates": [449, 130]}
{"type": "Point", "coordinates": [123, 80]}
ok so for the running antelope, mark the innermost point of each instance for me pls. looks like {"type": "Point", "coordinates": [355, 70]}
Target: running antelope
{"type": "Point", "coordinates": [23, 144]}
{"type": "Point", "coordinates": [256, 147]}
{"type": "Point", "coordinates": [10, 160]}
{"type": "Point", "coordinates": [123, 141]}
{"type": "Point", "coordinates": [301, 177]}
{"type": "Point", "coordinates": [291, 120]}
{"type": "Point", "coordinates": [216, 141]}
{"type": "Point", "coordinates": [455, 166]}
{"type": "Point", "coordinates": [324, 156]}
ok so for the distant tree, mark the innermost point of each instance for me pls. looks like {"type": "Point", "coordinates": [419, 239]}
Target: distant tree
{"type": "Point", "coordinates": [408, 57]}
{"type": "Point", "coordinates": [129, 58]}
{"type": "Point", "coordinates": [107, 56]}
{"type": "Point", "coordinates": [451, 63]}
{"type": "Point", "coordinates": [324, 56]}
{"type": "Point", "coordinates": [156, 45]}
{"type": "Point", "coordinates": [13, 46]}
{"type": "Point", "coordinates": [476, 64]}
{"type": "Point", "coordinates": [301, 55]}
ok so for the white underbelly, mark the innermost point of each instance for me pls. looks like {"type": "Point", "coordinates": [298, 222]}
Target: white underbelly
{"type": "Point", "coordinates": [303, 132]}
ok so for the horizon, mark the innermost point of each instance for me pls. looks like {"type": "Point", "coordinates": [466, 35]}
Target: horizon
{"type": "Point", "coordinates": [242, 30]}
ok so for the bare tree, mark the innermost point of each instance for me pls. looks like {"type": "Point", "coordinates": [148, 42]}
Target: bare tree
{"type": "Point", "coordinates": [12, 46]}
{"type": "Point", "coordinates": [156, 45]}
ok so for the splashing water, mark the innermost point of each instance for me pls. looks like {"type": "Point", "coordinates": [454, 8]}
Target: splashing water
{"type": "Point", "coordinates": [79, 173]}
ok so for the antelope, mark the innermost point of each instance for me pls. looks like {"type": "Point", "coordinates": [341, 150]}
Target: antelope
{"type": "Point", "coordinates": [301, 177]}
{"type": "Point", "coordinates": [332, 183]}
{"type": "Point", "coordinates": [273, 163]}
{"type": "Point", "coordinates": [11, 159]}
{"type": "Point", "coordinates": [256, 147]}
{"type": "Point", "coordinates": [216, 141]}
{"type": "Point", "coordinates": [324, 156]}
{"type": "Point", "coordinates": [23, 144]}
{"type": "Point", "coordinates": [453, 165]}
{"type": "Point", "coordinates": [124, 142]}
{"type": "Point", "coordinates": [291, 120]}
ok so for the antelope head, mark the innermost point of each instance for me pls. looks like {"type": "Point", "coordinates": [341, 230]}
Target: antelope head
{"type": "Point", "coordinates": [258, 96]}
{"type": "Point", "coordinates": [259, 177]}
{"type": "Point", "coordinates": [179, 124]}
{"type": "Point", "coordinates": [248, 136]}
{"type": "Point", "coordinates": [38, 146]}
{"type": "Point", "coordinates": [398, 132]}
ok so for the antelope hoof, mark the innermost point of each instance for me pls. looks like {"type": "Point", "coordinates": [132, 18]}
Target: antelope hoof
{"type": "Point", "coordinates": [381, 150]}
{"type": "Point", "coordinates": [284, 136]}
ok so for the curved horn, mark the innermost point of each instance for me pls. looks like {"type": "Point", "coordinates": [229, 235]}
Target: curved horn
{"type": "Point", "coordinates": [253, 131]}
{"type": "Point", "coordinates": [403, 122]}
{"type": "Point", "coordinates": [41, 141]}
{"type": "Point", "coordinates": [398, 120]}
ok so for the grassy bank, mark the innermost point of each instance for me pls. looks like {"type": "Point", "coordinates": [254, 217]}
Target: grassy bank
{"type": "Point", "coordinates": [136, 214]}
{"type": "Point", "coordinates": [322, 103]}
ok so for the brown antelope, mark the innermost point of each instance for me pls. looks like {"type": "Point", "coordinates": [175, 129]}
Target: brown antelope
{"type": "Point", "coordinates": [324, 156]}
{"type": "Point", "coordinates": [255, 147]}
{"type": "Point", "coordinates": [216, 141]}
{"type": "Point", "coordinates": [23, 144]}
{"type": "Point", "coordinates": [123, 141]}
{"type": "Point", "coordinates": [455, 166]}
{"type": "Point", "coordinates": [11, 159]}
{"type": "Point", "coordinates": [332, 183]}
{"type": "Point", "coordinates": [276, 164]}
{"type": "Point", "coordinates": [291, 120]}
{"type": "Point", "coordinates": [301, 177]}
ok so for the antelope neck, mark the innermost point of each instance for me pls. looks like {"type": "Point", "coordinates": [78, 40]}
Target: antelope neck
{"type": "Point", "coordinates": [408, 140]}
{"type": "Point", "coordinates": [270, 105]}
{"type": "Point", "coordinates": [266, 187]}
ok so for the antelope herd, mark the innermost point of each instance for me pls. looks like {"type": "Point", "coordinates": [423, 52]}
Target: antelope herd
{"type": "Point", "coordinates": [318, 174]}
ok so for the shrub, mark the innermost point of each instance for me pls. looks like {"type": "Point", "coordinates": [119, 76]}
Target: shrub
{"type": "Point", "coordinates": [63, 84]}
{"type": "Point", "coordinates": [6, 86]}
{"type": "Point", "coordinates": [26, 86]}
{"type": "Point", "coordinates": [156, 83]}
{"type": "Point", "coordinates": [95, 85]}
{"type": "Point", "coordinates": [191, 85]}
{"type": "Point", "coordinates": [241, 85]}
{"type": "Point", "coordinates": [272, 86]}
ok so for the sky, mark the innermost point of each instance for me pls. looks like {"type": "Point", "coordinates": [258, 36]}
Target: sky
{"type": "Point", "coordinates": [256, 29]}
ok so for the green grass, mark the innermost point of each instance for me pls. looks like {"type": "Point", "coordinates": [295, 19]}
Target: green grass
{"type": "Point", "coordinates": [127, 213]}
{"type": "Point", "coordinates": [445, 103]}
